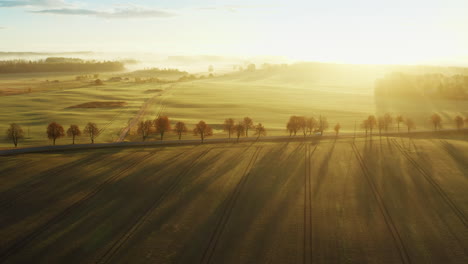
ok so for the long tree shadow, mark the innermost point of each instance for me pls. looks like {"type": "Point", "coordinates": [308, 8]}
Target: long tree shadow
{"type": "Point", "coordinates": [323, 170]}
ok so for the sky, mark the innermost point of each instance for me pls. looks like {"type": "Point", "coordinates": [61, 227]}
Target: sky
{"type": "Point", "coordinates": [341, 31]}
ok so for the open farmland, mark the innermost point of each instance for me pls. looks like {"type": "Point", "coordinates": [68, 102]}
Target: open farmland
{"type": "Point", "coordinates": [392, 200]}
{"type": "Point", "coordinates": [342, 93]}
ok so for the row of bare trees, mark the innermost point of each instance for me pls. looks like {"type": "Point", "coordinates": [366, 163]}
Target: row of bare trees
{"type": "Point", "coordinates": [162, 124]}
{"type": "Point", "coordinates": [54, 132]}
{"type": "Point", "coordinates": [309, 125]}
{"type": "Point", "coordinates": [296, 124]}
{"type": "Point", "coordinates": [383, 123]}
{"type": "Point", "coordinates": [242, 127]}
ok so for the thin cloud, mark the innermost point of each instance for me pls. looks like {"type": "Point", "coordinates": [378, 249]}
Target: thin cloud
{"type": "Point", "coordinates": [116, 13]}
{"type": "Point", "coordinates": [2, 27]}
{"type": "Point", "coordinates": [31, 3]}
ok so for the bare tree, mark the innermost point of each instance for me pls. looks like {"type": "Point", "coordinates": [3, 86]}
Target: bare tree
{"type": "Point", "coordinates": [388, 120]}
{"type": "Point", "coordinates": [459, 122]}
{"type": "Point", "coordinates": [180, 129]}
{"type": "Point", "coordinates": [162, 125]}
{"type": "Point", "coordinates": [409, 124]}
{"type": "Point", "coordinates": [322, 124]}
{"type": "Point", "coordinates": [248, 123]}
{"type": "Point", "coordinates": [311, 123]}
{"type": "Point", "coordinates": [337, 129]}
{"type": "Point", "coordinates": [239, 129]}
{"type": "Point", "coordinates": [15, 133]}
{"type": "Point", "coordinates": [73, 131]}
{"type": "Point", "coordinates": [399, 119]}
{"type": "Point", "coordinates": [293, 125]}
{"type": "Point", "coordinates": [144, 128]}
{"type": "Point", "coordinates": [372, 123]}
{"type": "Point", "coordinates": [229, 126]}
{"type": "Point", "coordinates": [302, 124]}
{"type": "Point", "coordinates": [260, 130]}
{"type": "Point", "coordinates": [92, 131]}
{"type": "Point", "coordinates": [365, 125]}
{"type": "Point", "coordinates": [203, 130]}
{"type": "Point", "coordinates": [381, 124]}
{"type": "Point", "coordinates": [436, 121]}
{"type": "Point", "coordinates": [55, 131]}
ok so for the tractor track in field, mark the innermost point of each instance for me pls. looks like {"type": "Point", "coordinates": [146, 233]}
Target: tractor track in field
{"type": "Point", "coordinates": [229, 202]}
{"type": "Point", "coordinates": [307, 242]}
{"type": "Point", "coordinates": [31, 184]}
{"type": "Point", "coordinates": [459, 213]}
{"type": "Point", "coordinates": [404, 256]}
{"type": "Point", "coordinates": [22, 242]}
{"type": "Point", "coordinates": [142, 218]}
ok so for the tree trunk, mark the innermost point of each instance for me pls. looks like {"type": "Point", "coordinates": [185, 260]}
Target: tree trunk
{"type": "Point", "coordinates": [180, 136]}
{"type": "Point", "coordinates": [162, 134]}
{"type": "Point", "coordinates": [54, 141]}
{"type": "Point", "coordinates": [73, 139]}
{"type": "Point", "coordinates": [202, 138]}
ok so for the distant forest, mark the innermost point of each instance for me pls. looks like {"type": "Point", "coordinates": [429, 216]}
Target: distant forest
{"type": "Point", "coordinates": [431, 85]}
{"type": "Point", "coordinates": [59, 64]}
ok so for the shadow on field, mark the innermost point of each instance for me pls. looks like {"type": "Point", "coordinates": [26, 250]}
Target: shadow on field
{"type": "Point", "coordinates": [457, 155]}
{"type": "Point", "coordinates": [268, 181]}
{"type": "Point", "coordinates": [323, 169]}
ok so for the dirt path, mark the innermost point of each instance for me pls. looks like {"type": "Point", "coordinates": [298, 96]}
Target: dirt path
{"type": "Point", "coordinates": [157, 99]}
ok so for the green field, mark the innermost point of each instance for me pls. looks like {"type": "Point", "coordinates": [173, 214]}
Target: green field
{"type": "Point", "coordinates": [341, 93]}
{"type": "Point", "coordinates": [392, 200]}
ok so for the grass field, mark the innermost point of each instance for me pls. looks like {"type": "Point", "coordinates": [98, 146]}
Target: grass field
{"type": "Point", "coordinates": [341, 93]}
{"type": "Point", "coordinates": [393, 200]}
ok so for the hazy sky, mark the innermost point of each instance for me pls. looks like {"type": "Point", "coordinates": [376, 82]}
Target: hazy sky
{"type": "Point", "coordinates": [356, 31]}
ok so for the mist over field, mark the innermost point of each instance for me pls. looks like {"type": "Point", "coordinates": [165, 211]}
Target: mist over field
{"type": "Point", "coordinates": [179, 131]}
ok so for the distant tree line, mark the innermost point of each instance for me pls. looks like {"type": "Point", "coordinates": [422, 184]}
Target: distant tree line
{"type": "Point", "coordinates": [431, 85]}
{"type": "Point", "coordinates": [55, 64]}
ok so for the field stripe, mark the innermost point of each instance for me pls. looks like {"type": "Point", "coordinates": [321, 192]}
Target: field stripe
{"type": "Point", "coordinates": [230, 203]}
{"type": "Point", "coordinates": [307, 258]}
{"type": "Point", "coordinates": [29, 185]}
{"type": "Point", "coordinates": [434, 184]}
{"type": "Point", "coordinates": [21, 243]}
{"type": "Point", "coordinates": [117, 245]}
{"type": "Point", "coordinates": [404, 256]}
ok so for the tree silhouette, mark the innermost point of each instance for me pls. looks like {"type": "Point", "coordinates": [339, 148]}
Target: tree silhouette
{"type": "Point", "coordinates": [92, 131]}
{"type": "Point", "coordinates": [73, 131]}
{"type": "Point", "coordinates": [293, 125]}
{"type": "Point", "coordinates": [15, 133]}
{"type": "Point", "coordinates": [162, 125]}
{"type": "Point", "coordinates": [311, 123]}
{"type": "Point", "coordinates": [410, 124]}
{"type": "Point", "coordinates": [229, 126]}
{"type": "Point", "coordinates": [144, 128]}
{"type": "Point", "coordinates": [180, 129]}
{"type": "Point", "coordinates": [260, 130]}
{"type": "Point", "coordinates": [387, 119]}
{"type": "Point", "coordinates": [203, 130]}
{"type": "Point", "coordinates": [248, 123]}
{"type": "Point", "coordinates": [322, 124]}
{"type": "Point", "coordinates": [399, 119]}
{"type": "Point", "coordinates": [55, 131]}
{"type": "Point", "coordinates": [337, 129]}
{"type": "Point", "coordinates": [302, 124]}
{"type": "Point", "coordinates": [372, 123]}
{"type": "Point", "coordinates": [365, 125]}
{"type": "Point", "coordinates": [459, 122]}
{"type": "Point", "coordinates": [239, 128]}
{"type": "Point", "coordinates": [381, 124]}
{"type": "Point", "coordinates": [436, 121]}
